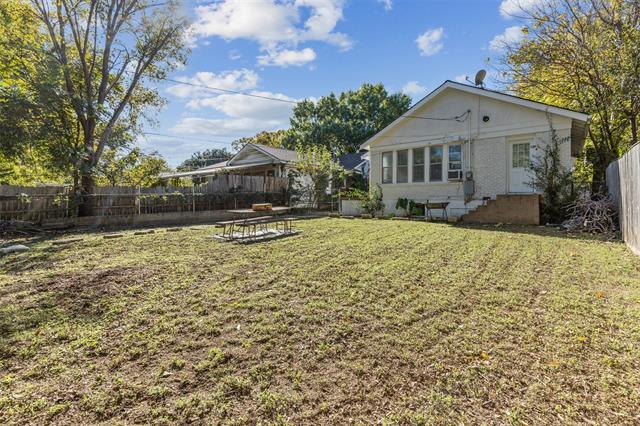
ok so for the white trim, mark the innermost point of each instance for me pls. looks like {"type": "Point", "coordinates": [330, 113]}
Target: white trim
{"type": "Point", "coordinates": [257, 148]}
{"type": "Point", "coordinates": [482, 92]}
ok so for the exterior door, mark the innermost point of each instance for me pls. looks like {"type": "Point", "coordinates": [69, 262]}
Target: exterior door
{"type": "Point", "coordinates": [519, 172]}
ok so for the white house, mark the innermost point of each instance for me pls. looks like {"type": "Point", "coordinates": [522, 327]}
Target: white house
{"type": "Point", "coordinates": [465, 145]}
{"type": "Point", "coordinates": [252, 159]}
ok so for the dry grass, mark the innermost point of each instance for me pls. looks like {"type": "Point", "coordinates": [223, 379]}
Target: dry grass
{"type": "Point", "coordinates": [357, 322]}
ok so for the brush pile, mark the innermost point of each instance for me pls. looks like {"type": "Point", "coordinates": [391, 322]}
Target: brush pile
{"type": "Point", "coordinates": [592, 214]}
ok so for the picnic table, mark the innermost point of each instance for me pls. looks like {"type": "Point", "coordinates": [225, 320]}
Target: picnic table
{"type": "Point", "coordinates": [254, 228]}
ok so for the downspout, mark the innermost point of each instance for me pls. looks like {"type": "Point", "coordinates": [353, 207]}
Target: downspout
{"type": "Point", "coordinates": [469, 137]}
{"type": "Point", "coordinates": [469, 185]}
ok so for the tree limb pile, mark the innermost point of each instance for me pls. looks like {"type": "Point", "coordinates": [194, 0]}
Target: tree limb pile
{"type": "Point", "coordinates": [593, 215]}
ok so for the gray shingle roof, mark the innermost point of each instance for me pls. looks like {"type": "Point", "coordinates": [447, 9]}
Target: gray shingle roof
{"type": "Point", "coordinates": [280, 153]}
{"type": "Point", "coordinates": [350, 161]}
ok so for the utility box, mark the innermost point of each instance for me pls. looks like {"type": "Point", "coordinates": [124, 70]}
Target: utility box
{"type": "Point", "coordinates": [469, 188]}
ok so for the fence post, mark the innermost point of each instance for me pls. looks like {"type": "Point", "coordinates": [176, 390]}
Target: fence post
{"type": "Point", "coordinates": [193, 197]}
{"type": "Point", "coordinates": [138, 199]}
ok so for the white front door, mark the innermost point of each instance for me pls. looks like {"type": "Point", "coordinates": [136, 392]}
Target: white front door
{"type": "Point", "coordinates": [519, 172]}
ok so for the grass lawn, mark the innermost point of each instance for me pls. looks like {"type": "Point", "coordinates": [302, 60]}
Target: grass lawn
{"type": "Point", "coordinates": [352, 321]}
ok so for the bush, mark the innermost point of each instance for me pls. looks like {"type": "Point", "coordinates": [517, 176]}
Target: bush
{"type": "Point", "coordinates": [553, 180]}
{"type": "Point", "coordinates": [373, 202]}
{"type": "Point", "coordinates": [354, 194]}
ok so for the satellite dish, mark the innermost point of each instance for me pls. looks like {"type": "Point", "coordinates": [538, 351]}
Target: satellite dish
{"type": "Point", "coordinates": [480, 76]}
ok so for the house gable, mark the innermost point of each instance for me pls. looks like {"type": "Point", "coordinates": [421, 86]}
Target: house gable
{"type": "Point", "coordinates": [260, 154]}
{"type": "Point", "coordinates": [434, 117]}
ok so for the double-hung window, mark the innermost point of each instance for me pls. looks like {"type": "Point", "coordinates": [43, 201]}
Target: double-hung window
{"type": "Point", "coordinates": [418, 165]}
{"type": "Point", "coordinates": [435, 163]}
{"type": "Point", "coordinates": [387, 167]}
{"type": "Point", "coordinates": [402, 169]}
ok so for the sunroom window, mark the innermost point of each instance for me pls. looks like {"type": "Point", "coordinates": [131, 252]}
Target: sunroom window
{"type": "Point", "coordinates": [435, 163]}
{"type": "Point", "coordinates": [418, 165]}
{"type": "Point", "coordinates": [387, 167]}
{"type": "Point", "coordinates": [402, 169]}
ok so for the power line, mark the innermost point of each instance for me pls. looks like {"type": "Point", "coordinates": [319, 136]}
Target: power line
{"type": "Point", "coordinates": [236, 92]}
{"type": "Point", "coordinates": [185, 137]}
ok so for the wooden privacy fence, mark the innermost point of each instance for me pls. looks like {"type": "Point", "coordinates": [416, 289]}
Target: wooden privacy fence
{"type": "Point", "coordinates": [221, 193]}
{"type": "Point", "coordinates": [623, 182]}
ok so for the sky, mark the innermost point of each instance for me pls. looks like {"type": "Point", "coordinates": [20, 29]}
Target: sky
{"type": "Point", "coordinates": [303, 49]}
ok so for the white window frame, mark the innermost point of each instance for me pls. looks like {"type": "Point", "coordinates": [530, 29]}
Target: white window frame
{"type": "Point", "coordinates": [406, 166]}
{"type": "Point", "coordinates": [458, 162]}
{"type": "Point", "coordinates": [419, 165]}
{"type": "Point", "coordinates": [382, 166]}
{"type": "Point", "coordinates": [441, 163]}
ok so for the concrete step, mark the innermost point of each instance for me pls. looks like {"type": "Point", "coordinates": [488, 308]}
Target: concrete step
{"type": "Point", "coordinates": [523, 209]}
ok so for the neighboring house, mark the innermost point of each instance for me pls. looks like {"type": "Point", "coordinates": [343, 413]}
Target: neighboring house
{"type": "Point", "coordinates": [251, 160]}
{"type": "Point", "coordinates": [466, 146]}
{"type": "Point", "coordinates": [354, 164]}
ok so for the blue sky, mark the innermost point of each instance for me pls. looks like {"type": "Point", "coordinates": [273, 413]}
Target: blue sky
{"type": "Point", "coordinates": [295, 49]}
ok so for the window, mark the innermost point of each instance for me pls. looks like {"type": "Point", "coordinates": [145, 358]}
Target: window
{"type": "Point", "coordinates": [520, 155]}
{"type": "Point", "coordinates": [435, 163]}
{"type": "Point", "coordinates": [455, 157]}
{"type": "Point", "coordinates": [402, 169]}
{"type": "Point", "coordinates": [387, 167]}
{"type": "Point", "coordinates": [418, 165]}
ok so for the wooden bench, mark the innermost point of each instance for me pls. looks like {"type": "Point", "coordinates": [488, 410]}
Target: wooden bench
{"type": "Point", "coordinates": [436, 205]}
{"type": "Point", "coordinates": [229, 225]}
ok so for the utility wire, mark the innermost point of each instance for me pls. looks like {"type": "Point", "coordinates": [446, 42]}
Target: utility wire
{"type": "Point", "coordinates": [184, 137]}
{"type": "Point", "coordinates": [236, 92]}
{"type": "Point", "coordinates": [460, 118]}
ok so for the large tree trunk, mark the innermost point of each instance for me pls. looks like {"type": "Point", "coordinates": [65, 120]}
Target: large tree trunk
{"type": "Point", "coordinates": [87, 189]}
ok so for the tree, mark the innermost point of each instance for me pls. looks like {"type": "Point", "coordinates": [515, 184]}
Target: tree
{"type": "Point", "coordinates": [315, 170]}
{"type": "Point", "coordinates": [275, 139]}
{"type": "Point", "coordinates": [105, 49]}
{"type": "Point", "coordinates": [342, 123]}
{"type": "Point", "coordinates": [37, 129]}
{"type": "Point", "coordinates": [205, 158]}
{"type": "Point", "coordinates": [585, 55]}
{"type": "Point", "coordinates": [552, 179]}
{"type": "Point", "coordinates": [131, 169]}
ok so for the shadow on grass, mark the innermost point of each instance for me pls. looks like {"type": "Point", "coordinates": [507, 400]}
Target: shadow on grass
{"type": "Point", "coordinates": [540, 231]}
{"type": "Point", "coordinates": [77, 297]}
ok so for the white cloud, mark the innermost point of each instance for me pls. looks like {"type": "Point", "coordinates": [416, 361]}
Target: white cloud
{"type": "Point", "coordinates": [286, 57]}
{"type": "Point", "coordinates": [240, 106]}
{"type": "Point", "coordinates": [413, 89]}
{"type": "Point", "coordinates": [240, 79]}
{"type": "Point", "coordinates": [511, 36]}
{"type": "Point", "coordinates": [275, 25]}
{"type": "Point", "coordinates": [430, 42]}
{"type": "Point", "coordinates": [227, 114]}
{"type": "Point", "coordinates": [514, 8]}
{"type": "Point", "coordinates": [388, 4]}
{"type": "Point", "coordinates": [224, 127]}
{"type": "Point", "coordinates": [175, 149]}
{"type": "Point", "coordinates": [234, 55]}
{"type": "Point", "coordinates": [462, 78]}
